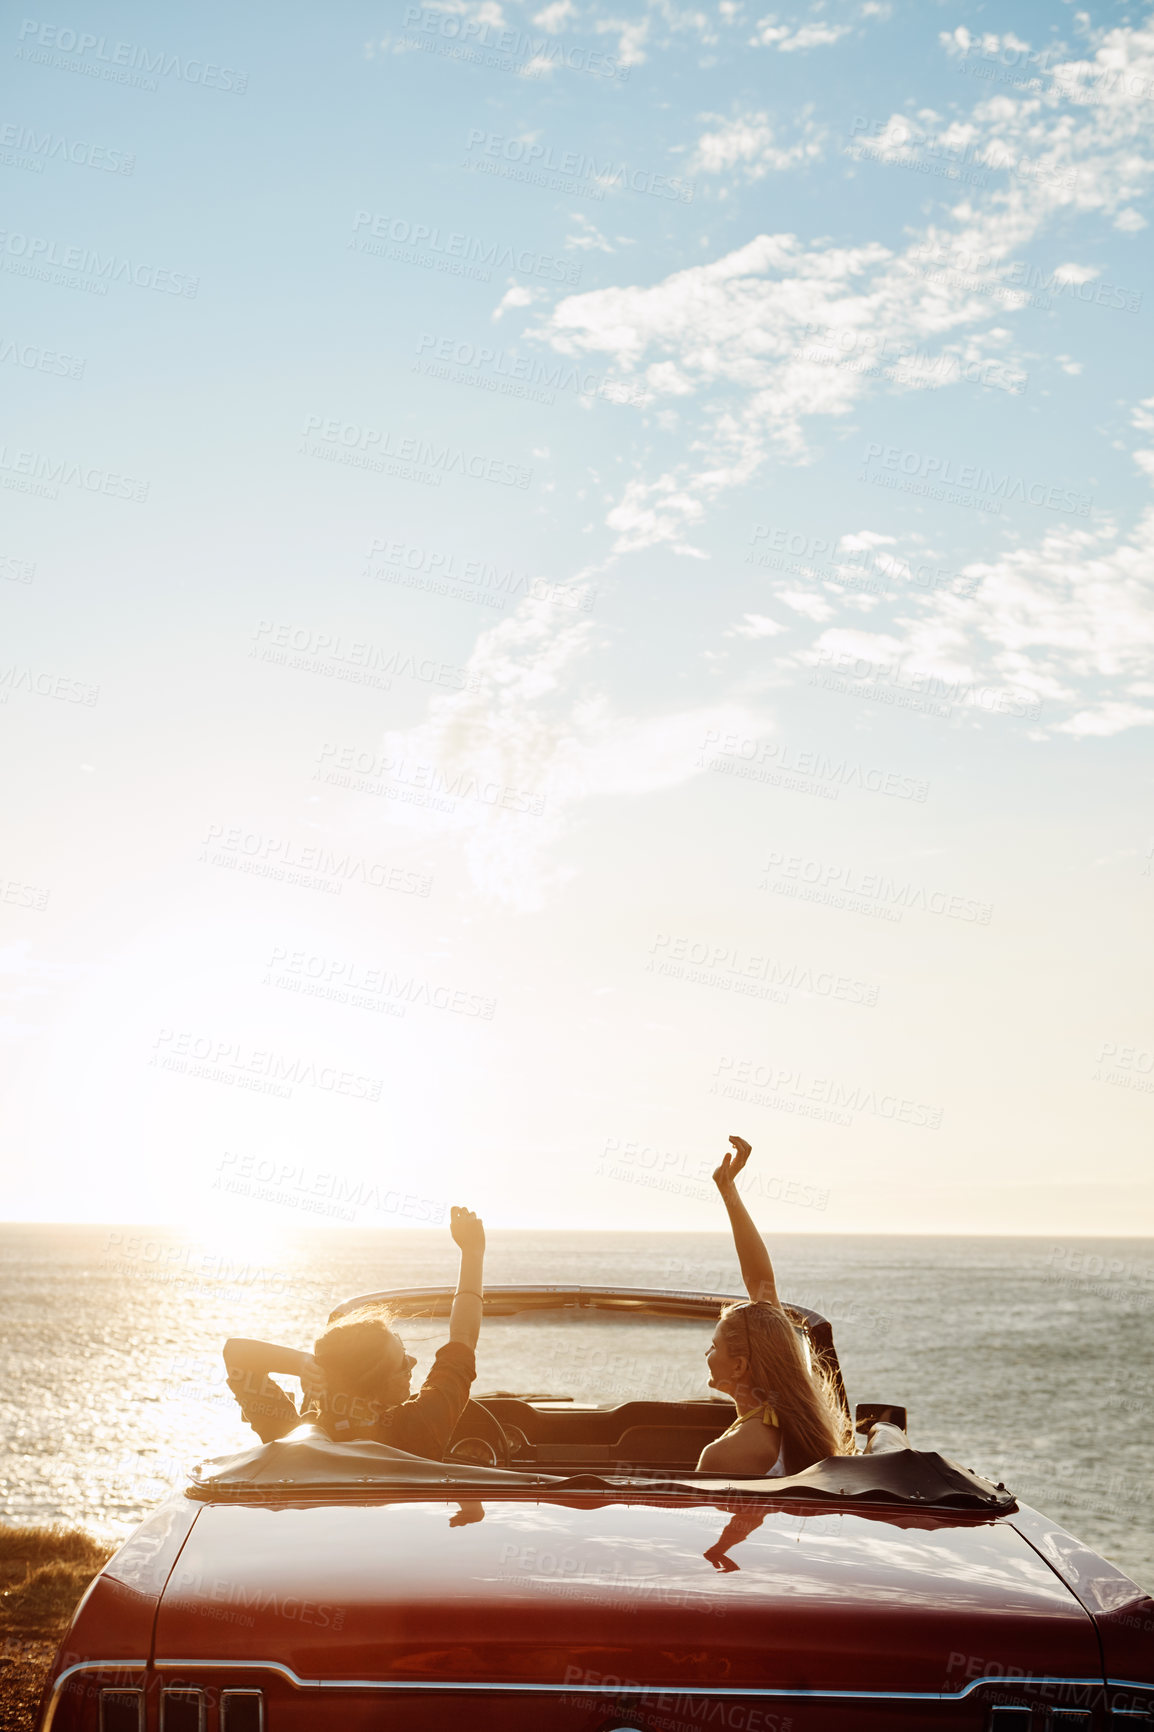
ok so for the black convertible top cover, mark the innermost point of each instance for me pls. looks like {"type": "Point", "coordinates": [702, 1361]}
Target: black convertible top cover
{"type": "Point", "coordinates": [906, 1476]}
{"type": "Point", "coordinates": [308, 1463]}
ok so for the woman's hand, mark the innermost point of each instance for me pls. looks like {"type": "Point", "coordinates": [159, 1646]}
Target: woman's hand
{"type": "Point", "coordinates": [468, 1230]}
{"type": "Point", "coordinates": [725, 1176]}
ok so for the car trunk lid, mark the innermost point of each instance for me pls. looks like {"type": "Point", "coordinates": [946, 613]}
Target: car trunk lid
{"type": "Point", "coordinates": [664, 1592]}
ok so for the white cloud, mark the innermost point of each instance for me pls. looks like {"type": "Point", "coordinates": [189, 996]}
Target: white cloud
{"type": "Point", "coordinates": [588, 236]}
{"type": "Point", "coordinates": [806, 602]}
{"type": "Point", "coordinates": [1069, 620]}
{"type": "Point", "coordinates": [667, 379]}
{"type": "Point", "coordinates": [487, 14]}
{"type": "Point", "coordinates": [484, 11]}
{"type": "Point", "coordinates": [656, 26]}
{"type": "Point", "coordinates": [632, 35]}
{"type": "Point", "coordinates": [552, 17]}
{"type": "Point", "coordinates": [1066, 622]}
{"type": "Point", "coordinates": [729, 345]}
{"type": "Point", "coordinates": [756, 625]}
{"type": "Point", "coordinates": [739, 330]}
{"type": "Point", "coordinates": [745, 145]}
{"type": "Point", "coordinates": [788, 39]}
{"type": "Point", "coordinates": [863, 539]}
{"type": "Point", "coordinates": [653, 512]}
{"type": "Point", "coordinates": [1076, 273]}
{"type": "Point", "coordinates": [519, 295]}
{"type": "Point", "coordinates": [1110, 718]}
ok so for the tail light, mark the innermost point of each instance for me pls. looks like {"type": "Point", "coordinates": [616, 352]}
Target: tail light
{"type": "Point", "coordinates": [182, 1710]}
{"type": "Point", "coordinates": [122, 1711]}
{"type": "Point", "coordinates": [241, 1711]}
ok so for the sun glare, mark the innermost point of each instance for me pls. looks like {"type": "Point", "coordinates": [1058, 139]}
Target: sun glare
{"type": "Point", "coordinates": [237, 1241]}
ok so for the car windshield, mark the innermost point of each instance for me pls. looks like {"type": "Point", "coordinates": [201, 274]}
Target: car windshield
{"type": "Point", "coordinates": [595, 1358]}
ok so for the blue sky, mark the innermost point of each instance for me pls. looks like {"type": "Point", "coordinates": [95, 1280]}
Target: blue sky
{"type": "Point", "coordinates": [575, 583]}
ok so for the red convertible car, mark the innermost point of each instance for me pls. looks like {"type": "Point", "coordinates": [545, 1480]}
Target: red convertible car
{"type": "Point", "coordinates": [567, 1569]}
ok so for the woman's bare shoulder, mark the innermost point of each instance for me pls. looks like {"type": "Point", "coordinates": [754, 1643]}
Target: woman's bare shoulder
{"type": "Point", "coordinates": [752, 1450]}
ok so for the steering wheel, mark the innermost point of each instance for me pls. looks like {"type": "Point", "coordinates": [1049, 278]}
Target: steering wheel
{"type": "Point", "coordinates": [479, 1438]}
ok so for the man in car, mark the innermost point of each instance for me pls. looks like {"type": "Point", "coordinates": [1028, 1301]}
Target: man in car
{"type": "Point", "coordinates": [356, 1382]}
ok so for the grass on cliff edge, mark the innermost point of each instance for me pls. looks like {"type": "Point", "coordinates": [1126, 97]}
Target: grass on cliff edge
{"type": "Point", "coordinates": [43, 1572]}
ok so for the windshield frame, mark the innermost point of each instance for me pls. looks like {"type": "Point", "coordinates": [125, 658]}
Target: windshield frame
{"type": "Point", "coordinates": [509, 1301]}
{"type": "Point", "coordinates": [658, 1302]}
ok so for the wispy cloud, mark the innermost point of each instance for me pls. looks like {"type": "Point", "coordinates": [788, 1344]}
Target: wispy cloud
{"type": "Point", "coordinates": [741, 334]}
{"type": "Point", "coordinates": [536, 720]}
{"type": "Point", "coordinates": [1068, 619]}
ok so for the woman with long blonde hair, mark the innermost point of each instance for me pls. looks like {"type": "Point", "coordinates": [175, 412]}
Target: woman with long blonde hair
{"type": "Point", "coordinates": [788, 1412]}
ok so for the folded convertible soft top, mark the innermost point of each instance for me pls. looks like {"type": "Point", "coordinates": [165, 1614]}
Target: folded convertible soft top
{"type": "Point", "coordinates": [907, 1476]}
{"type": "Point", "coordinates": [308, 1461]}
{"type": "Point", "coordinates": [308, 1457]}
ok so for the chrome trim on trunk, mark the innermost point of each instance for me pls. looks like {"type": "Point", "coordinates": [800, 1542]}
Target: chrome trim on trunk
{"type": "Point", "coordinates": [578, 1689]}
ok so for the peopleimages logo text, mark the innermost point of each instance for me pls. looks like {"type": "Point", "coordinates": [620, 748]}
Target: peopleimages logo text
{"type": "Point", "coordinates": [517, 44]}
{"type": "Point", "coordinates": [734, 1072]}
{"type": "Point", "coordinates": [973, 478]}
{"type": "Point", "coordinates": [373, 447]}
{"type": "Point", "coordinates": [38, 251]}
{"type": "Point", "coordinates": [577, 165]}
{"type": "Point", "coordinates": [457, 248]}
{"type": "Point", "coordinates": [37, 472]}
{"type": "Point", "coordinates": [768, 759]}
{"type": "Point", "coordinates": [55, 146]}
{"type": "Point", "coordinates": [226, 1060]}
{"type": "Point", "coordinates": [470, 363]}
{"type": "Point", "coordinates": [101, 57]}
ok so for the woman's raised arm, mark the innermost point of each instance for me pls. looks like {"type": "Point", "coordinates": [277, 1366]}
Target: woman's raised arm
{"type": "Point", "coordinates": [752, 1251]}
{"type": "Point", "coordinates": [465, 1317]}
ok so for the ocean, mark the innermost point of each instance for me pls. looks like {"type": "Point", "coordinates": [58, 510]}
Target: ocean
{"type": "Point", "coordinates": [1027, 1360]}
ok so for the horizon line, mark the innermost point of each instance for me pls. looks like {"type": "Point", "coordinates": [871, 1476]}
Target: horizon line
{"type": "Point", "coordinates": [602, 1232]}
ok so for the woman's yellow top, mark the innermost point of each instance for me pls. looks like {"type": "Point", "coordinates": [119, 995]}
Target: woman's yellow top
{"type": "Point", "coordinates": [768, 1417]}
